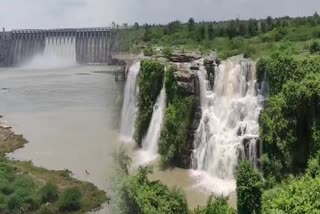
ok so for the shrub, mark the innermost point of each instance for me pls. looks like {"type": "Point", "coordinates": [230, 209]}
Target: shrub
{"type": "Point", "coordinates": [216, 205]}
{"type": "Point", "coordinates": [249, 189]}
{"type": "Point", "coordinates": [298, 196]}
{"type": "Point", "coordinates": [148, 51]}
{"type": "Point", "coordinates": [167, 52]}
{"type": "Point", "coordinates": [146, 197]}
{"type": "Point", "coordinates": [7, 190]}
{"type": "Point", "coordinates": [174, 147]}
{"type": "Point", "coordinates": [31, 203]}
{"type": "Point", "coordinates": [170, 82]}
{"type": "Point", "coordinates": [14, 202]}
{"type": "Point", "coordinates": [314, 47]}
{"type": "Point", "coordinates": [70, 200]}
{"type": "Point", "coordinates": [49, 193]}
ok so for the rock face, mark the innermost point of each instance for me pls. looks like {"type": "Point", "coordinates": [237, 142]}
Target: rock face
{"type": "Point", "coordinates": [184, 58]}
{"type": "Point", "coordinates": [185, 79]}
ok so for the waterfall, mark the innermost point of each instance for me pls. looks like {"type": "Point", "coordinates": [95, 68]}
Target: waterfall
{"type": "Point", "coordinates": [150, 142]}
{"type": "Point", "coordinates": [230, 114]}
{"type": "Point", "coordinates": [129, 109]}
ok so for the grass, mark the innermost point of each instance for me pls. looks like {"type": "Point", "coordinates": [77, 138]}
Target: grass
{"type": "Point", "coordinates": [21, 183]}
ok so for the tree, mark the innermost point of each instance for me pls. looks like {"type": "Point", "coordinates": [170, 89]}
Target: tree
{"type": "Point", "coordinates": [314, 47]}
{"type": "Point", "coordinates": [215, 205]}
{"type": "Point", "coordinates": [210, 32]}
{"type": "Point", "coordinates": [253, 27]}
{"type": "Point", "coordinates": [263, 27]}
{"type": "Point", "coordinates": [201, 33]}
{"type": "Point", "coordinates": [136, 25]}
{"type": "Point", "coordinates": [173, 27]}
{"type": "Point", "coordinates": [242, 29]}
{"type": "Point", "coordinates": [147, 33]}
{"type": "Point", "coordinates": [191, 24]}
{"type": "Point", "coordinates": [269, 23]}
{"type": "Point", "coordinates": [249, 189]}
{"type": "Point", "coordinates": [231, 29]}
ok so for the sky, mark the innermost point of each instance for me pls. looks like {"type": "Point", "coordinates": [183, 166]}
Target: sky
{"type": "Point", "coordinates": [100, 13]}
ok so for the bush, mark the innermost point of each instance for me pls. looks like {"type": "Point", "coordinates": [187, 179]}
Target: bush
{"type": "Point", "coordinates": [313, 169]}
{"type": "Point", "coordinates": [170, 82]}
{"type": "Point", "coordinates": [314, 47]}
{"type": "Point", "coordinates": [148, 51]}
{"type": "Point", "coordinates": [14, 202]}
{"type": "Point", "coordinates": [249, 189]}
{"type": "Point", "coordinates": [49, 193]}
{"type": "Point", "coordinates": [70, 200]}
{"type": "Point", "coordinates": [150, 85]}
{"type": "Point", "coordinates": [145, 197]}
{"type": "Point", "coordinates": [174, 146]}
{"type": "Point", "coordinates": [298, 196]}
{"type": "Point", "coordinates": [217, 205]}
{"type": "Point", "coordinates": [167, 52]}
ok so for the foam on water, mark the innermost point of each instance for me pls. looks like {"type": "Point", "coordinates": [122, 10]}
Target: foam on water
{"type": "Point", "coordinates": [230, 112]}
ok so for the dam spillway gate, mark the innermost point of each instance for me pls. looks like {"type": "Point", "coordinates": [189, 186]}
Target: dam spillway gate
{"type": "Point", "coordinates": [81, 45]}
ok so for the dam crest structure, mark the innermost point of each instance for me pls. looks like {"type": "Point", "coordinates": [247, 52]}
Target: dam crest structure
{"type": "Point", "coordinates": [81, 45]}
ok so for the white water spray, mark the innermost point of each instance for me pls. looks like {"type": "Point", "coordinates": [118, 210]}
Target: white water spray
{"type": "Point", "coordinates": [129, 109]}
{"type": "Point", "coordinates": [58, 52]}
{"type": "Point", "coordinates": [230, 114]}
{"type": "Point", "coordinates": [150, 142]}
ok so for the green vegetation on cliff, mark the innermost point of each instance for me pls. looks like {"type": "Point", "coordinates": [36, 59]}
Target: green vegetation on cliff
{"type": "Point", "coordinates": [150, 84]}
{"type": "Point", "coordinates": [290, 121]}
{"type": "Point", "coordinates": [174, 147]}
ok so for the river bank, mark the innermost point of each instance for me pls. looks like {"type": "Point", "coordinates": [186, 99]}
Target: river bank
{"type": "Point", "coordinates": [36, 178]}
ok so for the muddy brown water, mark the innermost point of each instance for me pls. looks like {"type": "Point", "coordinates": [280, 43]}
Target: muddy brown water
{"type": "Point", "coordinates": [70, 117]}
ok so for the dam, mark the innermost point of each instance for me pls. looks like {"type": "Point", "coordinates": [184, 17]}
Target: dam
{"type": "Point", "coordinates": [81, 45]}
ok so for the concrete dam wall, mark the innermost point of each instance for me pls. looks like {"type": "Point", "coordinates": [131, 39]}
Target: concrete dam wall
{"type": "Point", "coordinates": [81, 45]}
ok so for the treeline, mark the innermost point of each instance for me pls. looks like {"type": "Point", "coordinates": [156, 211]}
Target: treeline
{"type": "Point", "coordinates": [232, 28]}
{"type": "Point", "coordinates": [253, 36]}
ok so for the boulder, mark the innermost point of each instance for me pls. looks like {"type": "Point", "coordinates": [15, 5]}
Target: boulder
{"type": "Point", "coordinates": [186, 87]}
{"type": "Point", "coordinates": [184, 58]}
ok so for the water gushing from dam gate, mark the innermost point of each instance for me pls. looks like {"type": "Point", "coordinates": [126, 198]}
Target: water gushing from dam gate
{"type": "Point", "coordinates": [229, 125]}
{"type": "Point", "coordinates": [129, 109]}
{"type": "Point", "coordinates": [58, 52]}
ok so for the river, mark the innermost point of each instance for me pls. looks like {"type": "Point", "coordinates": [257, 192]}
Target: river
{"type": "Point", "coordinates": [68, 115]}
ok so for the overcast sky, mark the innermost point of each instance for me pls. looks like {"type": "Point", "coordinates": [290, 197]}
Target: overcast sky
{"type": "Point", "coordinates": [90, 13]}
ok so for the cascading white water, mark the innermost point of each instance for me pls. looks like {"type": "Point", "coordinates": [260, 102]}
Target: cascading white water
{"type": "Point", "coordinates": [129, 109]}
{"type": "Point", "coordinates": [150, 142]}
{"type": "Point", "coordinates": [58, 52]}
{"type": "Point", "coordinates": [63, 49]}
{"type": "Point", "coordinates": [230, 114]}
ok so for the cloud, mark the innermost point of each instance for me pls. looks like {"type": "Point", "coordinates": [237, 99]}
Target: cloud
{"type": "Point", "coordinates": [89, 13]}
